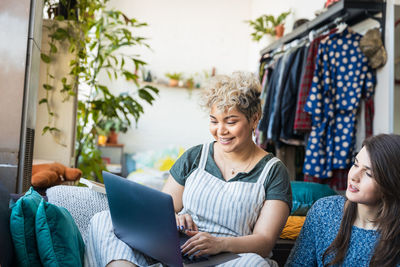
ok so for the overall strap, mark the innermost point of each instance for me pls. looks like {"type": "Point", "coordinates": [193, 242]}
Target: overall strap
{"type": "Point", "coordinates": [266, 169]}
{"type": "Point", "coordinates": [203, 157]}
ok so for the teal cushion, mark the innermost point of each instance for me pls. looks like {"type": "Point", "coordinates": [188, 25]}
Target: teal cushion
{"type": "Point", "coordinates": [22, 227]}
{"type": "Point", "coordinates": [304, 195]}
{"type": "Point", "coordinates": [59, 241]}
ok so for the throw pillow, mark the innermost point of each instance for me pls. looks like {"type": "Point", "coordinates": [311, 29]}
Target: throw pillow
{"type": "Point", "coordinates": [59, 241]}
{"type": "Point", "coordinates": [22, 227]}
{"type": "Point", "coordinates": [292, 227]}
{"type": "Point", "coordinates": [305, 194]}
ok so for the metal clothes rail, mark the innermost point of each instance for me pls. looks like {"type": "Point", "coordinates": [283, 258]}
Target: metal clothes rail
{"type": "Point", "coordinates": [349, 11]}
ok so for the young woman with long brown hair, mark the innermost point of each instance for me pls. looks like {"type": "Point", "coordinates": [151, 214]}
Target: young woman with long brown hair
{"type": "Point", "coordinates": [361, 229]}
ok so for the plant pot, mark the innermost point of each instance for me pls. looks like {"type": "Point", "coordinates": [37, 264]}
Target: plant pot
{"type": "Point", "coordinates": [112, 137]}
{"type": "Point", "coordinates": [102, 140]}
{"type": "Point", "coordinates": [279, 30]}
{"type": "Point", "coordinates": [173, 82]}
{"type": "Point", "coordinates": [189, 84]}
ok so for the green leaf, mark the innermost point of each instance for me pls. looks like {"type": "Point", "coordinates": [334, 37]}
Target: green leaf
{"type": "Point", "coordinates": [45, 58]}
{"type": "Point", "coordinates": [47, 86]}
{"type": "Point", "coordinates": [109, 74]}
{"type": "Point", "coordinates": [53, 48]}
{"type": "Point", "coordinates": [146, 96]}
{"type": "Point", "coordinates": [45, 129]}
{"type": "Point", "coordinates": [60, 34]}
{"type": "Point", "coordinates": [43, 100]}
{"type": "Point", "coordinates": [154, 89]}
{"type": "Point", "coordinates": [54, 129]}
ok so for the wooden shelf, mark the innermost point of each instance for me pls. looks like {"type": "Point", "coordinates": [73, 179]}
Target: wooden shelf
{"type": "Point", "coordinates": [111, 145]}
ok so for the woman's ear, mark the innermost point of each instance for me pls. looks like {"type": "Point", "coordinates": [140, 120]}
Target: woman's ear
{"type": "Point", "coordinates": [255, 120]}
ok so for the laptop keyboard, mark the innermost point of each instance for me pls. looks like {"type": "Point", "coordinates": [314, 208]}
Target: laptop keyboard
{"type": "Point", "coordinates": [192, 259]}
{"type": "Point", "coordinates": [186, 258]}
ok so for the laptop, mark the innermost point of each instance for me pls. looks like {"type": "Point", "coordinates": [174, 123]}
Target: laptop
{"type": "Point", "coordinates": [144, 218]}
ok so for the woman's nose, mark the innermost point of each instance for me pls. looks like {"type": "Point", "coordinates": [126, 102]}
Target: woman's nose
{"type": "Point", "coordinates": [355, 176]}
{"type": "Point", "coordinates": [222, 129]}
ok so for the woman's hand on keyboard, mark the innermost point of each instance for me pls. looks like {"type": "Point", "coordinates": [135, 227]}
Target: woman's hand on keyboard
{"type": "Point", "coordinates": [203, 243]}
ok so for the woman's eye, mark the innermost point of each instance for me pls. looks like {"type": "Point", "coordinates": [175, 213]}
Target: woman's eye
{"type": "Point", "coordinates": [213, 122]}
{"type": "Point", "coordinates": [355, 164]}
{"type": "Point", "coordinates": [368, 174]}
{"type": "Point", "coordinates": [231, 122]}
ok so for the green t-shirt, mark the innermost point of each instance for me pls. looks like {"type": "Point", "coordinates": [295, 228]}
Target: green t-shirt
{"type": "Point", "coordinates": [276, 185]}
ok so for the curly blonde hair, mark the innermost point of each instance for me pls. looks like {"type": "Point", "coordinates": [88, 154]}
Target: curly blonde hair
{"type": "Point", "coordinates": [240, 90]}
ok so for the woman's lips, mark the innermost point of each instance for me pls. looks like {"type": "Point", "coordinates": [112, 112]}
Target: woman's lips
{"type": "Point", "coordinates": [225, 141]}
{"type": "Point", "coordinates": [352, 188]}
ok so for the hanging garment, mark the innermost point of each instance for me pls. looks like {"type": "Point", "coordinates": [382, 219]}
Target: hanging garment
{"type": "Point", "coordinates": [341, 78]}
{"type": "Point", "coordinates": [275, 103]}
{"type": "Point", "coordinates": [260, 135]}
{"type": "Point", "coordinates": [269, 102]}
{"type": "Point", "coordinates": [289, 97]}
{"type": "Point", "coordinates": [302, 121]}
{"type": "Point", "coordinates": [292, 60]}
{"type": "Point", "coordinates": [369, 116]}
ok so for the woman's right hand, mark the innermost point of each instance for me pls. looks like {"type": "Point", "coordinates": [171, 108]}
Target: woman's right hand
{"type": "Point", "coordinates": [185, 222]}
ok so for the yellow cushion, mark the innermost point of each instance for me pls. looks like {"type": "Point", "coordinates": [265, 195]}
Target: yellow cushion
{"type": "Point", "coordinates": [293, 227]}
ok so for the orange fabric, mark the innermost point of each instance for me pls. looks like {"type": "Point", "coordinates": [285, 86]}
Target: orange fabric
{"type": "Point", "coordinates": [292, 227]}
{"type": "Point", "coordinates": [47, 175]}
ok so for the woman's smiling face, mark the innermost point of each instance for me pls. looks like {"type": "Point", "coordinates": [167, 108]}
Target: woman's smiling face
{"type": "Point", "coordinates": [231, 129]}
{"type": "Point", "coordinates": [361, 185]}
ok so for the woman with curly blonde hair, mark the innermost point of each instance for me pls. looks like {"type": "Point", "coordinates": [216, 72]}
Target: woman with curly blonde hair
{"type": "Point", "coordinates": [229, 195]}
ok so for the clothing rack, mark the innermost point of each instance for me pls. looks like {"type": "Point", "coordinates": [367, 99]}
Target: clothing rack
{"type": "Point", "coordinates": [348, 11]}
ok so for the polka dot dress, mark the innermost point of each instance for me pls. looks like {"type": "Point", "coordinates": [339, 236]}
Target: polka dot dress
{"type": "Point", "coordinates": [341, 78]}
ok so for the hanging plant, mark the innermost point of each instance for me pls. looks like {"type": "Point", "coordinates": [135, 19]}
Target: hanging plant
{"type": "Point", "coordinates": [57, 36]}
{"type": "Point", "coordinates": [96, 36]}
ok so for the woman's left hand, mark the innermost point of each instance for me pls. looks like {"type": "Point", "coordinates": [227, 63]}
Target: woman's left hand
{"type": "Point", "coordinates": [203, 243]}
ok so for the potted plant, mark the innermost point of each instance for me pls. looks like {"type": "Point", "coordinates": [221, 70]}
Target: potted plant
{"type": "Point", "coordinates": [174, 78]}
{"type": "Point", "coordinates": [189, 82]}
{"type": "Point", "coordinates": [268, 25]}
{"type": "Point", "coordinates": [110, 127]}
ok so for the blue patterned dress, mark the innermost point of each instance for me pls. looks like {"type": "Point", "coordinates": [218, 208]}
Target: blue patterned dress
{"type": "Point", "coordinates": [342, 77]}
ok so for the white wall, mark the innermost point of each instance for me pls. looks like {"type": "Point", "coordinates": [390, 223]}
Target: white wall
{"type": "Point", "coordinates": [192, 36]}
{"type": "Point", "coordinates": [174, 119]}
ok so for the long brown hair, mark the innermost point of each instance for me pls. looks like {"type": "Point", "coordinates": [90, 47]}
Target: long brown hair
{"type": "Point", "coordinates": [384, 153]}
